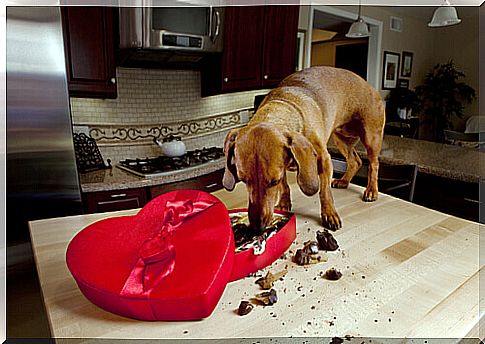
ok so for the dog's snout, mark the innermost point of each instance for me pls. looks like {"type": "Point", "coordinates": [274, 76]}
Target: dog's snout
{"type": "Point", "coordinates": [259, 217]}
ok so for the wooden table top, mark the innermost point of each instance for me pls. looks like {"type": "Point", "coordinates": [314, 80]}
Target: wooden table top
{"type": "Point", "coordinates": [408, 272]}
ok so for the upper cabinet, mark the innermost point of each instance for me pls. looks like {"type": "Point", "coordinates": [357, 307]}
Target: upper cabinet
{"type": "Point", "coordinates": [259, 49]}
{"type": "Point", "coordinates": [89, 50]}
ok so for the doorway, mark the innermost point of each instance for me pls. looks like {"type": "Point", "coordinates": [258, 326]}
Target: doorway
{"type": "Point", "coordinates": [327, 44]}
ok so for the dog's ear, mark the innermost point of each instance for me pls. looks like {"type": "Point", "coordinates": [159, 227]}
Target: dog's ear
{"type": "Point", "coordinates": [306, 160]}
{"type": "Point", "coordinates": [230, 173]}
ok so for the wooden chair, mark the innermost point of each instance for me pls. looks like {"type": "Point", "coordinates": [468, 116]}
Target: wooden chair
{"type": "Point", "coordinates": [395, 180]}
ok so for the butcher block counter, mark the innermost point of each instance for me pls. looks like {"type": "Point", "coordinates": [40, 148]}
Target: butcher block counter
{"type": "Point", "coordinates": [408, 272]}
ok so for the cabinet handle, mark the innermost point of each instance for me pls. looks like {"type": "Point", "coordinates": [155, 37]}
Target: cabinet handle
{"type": "Point", "coordinates": [471, 200]}
{"type": "Point", "coordinates": [226, 79]}
{"type": "Point", "coordinates": [113, 80]}
{"type": "Point", "coordinates": [265, 77]}
{"type": "Point", "coordinates": [118, 195]}
{"type": "Point", "coordinates": [210, 185]}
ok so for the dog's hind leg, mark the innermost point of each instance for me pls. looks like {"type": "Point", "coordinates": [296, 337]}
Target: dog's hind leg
{"type": "Point", "coordinates": [345, 145]}
{"type": "Point", "coordinates": [372, 142]}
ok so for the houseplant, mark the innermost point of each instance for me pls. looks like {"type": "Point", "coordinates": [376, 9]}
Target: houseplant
{"type": "Point", "coordinates": [443, 96]}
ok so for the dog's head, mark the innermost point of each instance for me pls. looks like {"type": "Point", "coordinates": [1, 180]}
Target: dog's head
{"type": "Point", "coordinates": [259, 156]}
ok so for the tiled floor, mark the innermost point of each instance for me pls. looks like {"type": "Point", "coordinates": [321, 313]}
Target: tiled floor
{"type": "Point", "coordinates": [26, 316]}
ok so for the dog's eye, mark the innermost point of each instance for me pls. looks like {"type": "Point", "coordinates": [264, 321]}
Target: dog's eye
{"type": "Point", "coordinates": [274, 182]}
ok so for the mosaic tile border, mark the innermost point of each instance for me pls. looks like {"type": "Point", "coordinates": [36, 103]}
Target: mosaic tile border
{"type": "Point", "coordinates": [107, 134]}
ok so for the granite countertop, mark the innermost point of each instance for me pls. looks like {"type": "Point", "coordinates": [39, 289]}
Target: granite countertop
{"type": "Point", "coordinates": [449, 161]}
{"type": "Point", "coordinates": [118, 179]}
{"type": "Point", "coordinates": [443, 160]}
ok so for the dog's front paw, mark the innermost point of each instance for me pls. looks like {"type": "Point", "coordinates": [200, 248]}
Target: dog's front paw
{"type": "Point", "coordinates": [340, 184]}
{"type": "Point", "coordinates": [284, 205]}
{"type": "Point", "coordinates": [331, 220]}
{"type": "Point", "coordinates": [370, 195]}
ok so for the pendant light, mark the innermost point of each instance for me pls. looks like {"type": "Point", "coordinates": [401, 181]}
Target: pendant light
{"type": "Point", "coordinates": [358, 28]}
{"type": "Point", "coordinates": [445, 15]}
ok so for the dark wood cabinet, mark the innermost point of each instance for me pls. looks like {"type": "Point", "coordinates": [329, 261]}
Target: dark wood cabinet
{"type": "Point", "coordinates": [259, 50]}
{"type": "Point", "coordinates": [454, 197]}
{"type": "Point", "coordinates": [102, 201]}
{"type": "Point", "coordinates": [89, 51]}
{"type": "Point", "coordinates": [279, 48]}
{"type": "Point", "coordinates": [98, 202]}
{"type": "Point", "coordinates": [209, 183]}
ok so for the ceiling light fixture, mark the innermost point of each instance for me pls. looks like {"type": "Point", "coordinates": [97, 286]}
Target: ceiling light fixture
{"type": "Point", "coordinates": [445, 15]}
{"type": "Point", "coordinates": [358, 28]}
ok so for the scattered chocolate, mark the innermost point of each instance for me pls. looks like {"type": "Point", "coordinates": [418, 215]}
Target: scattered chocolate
{"type": "Point", "coordinates": [332, 274]}
{"type": "Point", "coordinates": [267, 298]}
{"type": "Point", "coordinates": [326, 241]}
{"type": "Point", "coordinates": [336, 340]}
{"type": "Point", "coordinates": [245, 307]}
{"type": "Point", "coordinates": [267, 281]}
{"type": "Point", "coordinates": [309, 254]}
{"type": "Point", "coordinates": [348, 337]}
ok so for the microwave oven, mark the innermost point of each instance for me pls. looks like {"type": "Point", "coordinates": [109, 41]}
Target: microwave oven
{"type": "Point", "coordinates": [171, 28]}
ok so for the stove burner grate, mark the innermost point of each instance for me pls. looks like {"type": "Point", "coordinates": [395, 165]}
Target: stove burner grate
{"type": "Point", "coordinates": [163, 164]}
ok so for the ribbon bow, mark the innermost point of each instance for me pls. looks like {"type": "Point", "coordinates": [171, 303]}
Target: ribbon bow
{"type": "Point", "coordinates": [156, 257]}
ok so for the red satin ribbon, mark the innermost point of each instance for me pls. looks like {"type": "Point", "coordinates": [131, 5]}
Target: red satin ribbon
{"type": "Point", "coordinates": [156, 258]}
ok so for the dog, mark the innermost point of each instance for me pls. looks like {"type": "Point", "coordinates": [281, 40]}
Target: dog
{"type": "Point", "coordinates": [290, 130]}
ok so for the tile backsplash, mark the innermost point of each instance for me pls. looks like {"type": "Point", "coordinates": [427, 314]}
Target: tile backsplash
{"type": "Point", "coordinates": [155, 103]}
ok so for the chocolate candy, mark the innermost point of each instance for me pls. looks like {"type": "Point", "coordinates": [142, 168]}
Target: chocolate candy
{"type": "Point", "coordinates": [326, 241]}
{"type": "Point", "coordinates": [245, 307]}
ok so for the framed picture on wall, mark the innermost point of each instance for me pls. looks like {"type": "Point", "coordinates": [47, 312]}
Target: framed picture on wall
{"type": "Point", "coordinates": [390, 70]}
{"type": "Point", "coordinates": [407, 64]}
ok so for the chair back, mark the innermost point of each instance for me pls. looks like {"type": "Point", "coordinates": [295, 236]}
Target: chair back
{"type": "Point", "coordinates": [395, 180]}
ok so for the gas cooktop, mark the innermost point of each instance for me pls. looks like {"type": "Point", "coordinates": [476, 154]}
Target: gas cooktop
{"type": "Point", "coordinates": [163, 165]}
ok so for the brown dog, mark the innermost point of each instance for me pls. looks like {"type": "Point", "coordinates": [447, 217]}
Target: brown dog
{"type": "Point", "coordinates": [292, 127]}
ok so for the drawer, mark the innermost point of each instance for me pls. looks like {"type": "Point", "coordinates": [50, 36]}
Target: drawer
{"type": "Point", "coordinates": [98, 202]}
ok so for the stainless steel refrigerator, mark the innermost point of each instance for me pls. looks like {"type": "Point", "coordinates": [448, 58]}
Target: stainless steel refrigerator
{"type": "Point", "coordinates": [42, 180]}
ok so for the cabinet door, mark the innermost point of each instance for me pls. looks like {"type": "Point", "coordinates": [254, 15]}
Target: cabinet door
{"type": "Point", "coordinates": [279, 46]}
{"type": "Point", "coordinates": [98, 202]}
{"type": "Point", "coordinates": [243, 38]}
{"type": "Point", "coordinates": [88, 45]}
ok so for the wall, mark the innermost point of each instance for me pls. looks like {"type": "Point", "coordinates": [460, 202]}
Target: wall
{"type": "Point", "coordinates": [431, 45]}
{"type": "Point", "coordinates": [155, 103]}
{"type": "Point", "coordinates": [461, 43]}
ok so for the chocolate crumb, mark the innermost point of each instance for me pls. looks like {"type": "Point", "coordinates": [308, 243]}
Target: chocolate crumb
{"type": "Point", "coordinates": [332, 274]}
{"type": "Point", "coordinates": [375, 320]}
{"type": "Point", "coordinates": [336, 340]}
{"type": "Point", "coordinates": [312, 307]}
{"type": "Point", "coordinates": [185, 332]}
{"type": "Point", "coordinates": [348, 337]}
{"type": "Point", "coordinates": [389, 319]}
{"type": "Point", "coordinates": [363, 277]}
{"type": "Point", "coordinates": [267, 298]}
{"type": "Point", "coordinates": [331, 323]}
{"type": "Point", "coordinates": [244, 308]}
{"type": "Point", "coordinates": [267, 281]}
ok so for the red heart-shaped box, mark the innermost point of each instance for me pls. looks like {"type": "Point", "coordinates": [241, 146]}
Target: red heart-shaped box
{"type": "Point", "coordinates": [171, 261]}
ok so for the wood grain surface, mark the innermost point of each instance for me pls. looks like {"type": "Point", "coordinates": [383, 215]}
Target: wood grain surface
{"type": "Point", "coordinates": [408, 272]}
